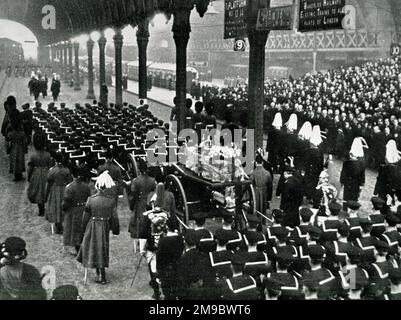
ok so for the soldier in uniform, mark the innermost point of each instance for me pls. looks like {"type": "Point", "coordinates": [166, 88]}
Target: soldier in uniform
{"type": "Point", "coordinates": [380, 269]}
{"type": "Point", "coordinates": [257, 263]}
{"type": "Point", "coordinates": [241, 286]}
{"type": "Point", "coordinates": [27, 121]}
{"type": "Point", "coordinates": [331, 224]}
{"type": "Point", "coordinates": [392, 236]}
{"type": "Point", "coordinates": [38, 167]}
{"type": "Point", "coordinates": [395, 282]}
{"type": "Point", "coordinates": [114, 172]}
{"type": "Point", "coordinates": [205, 239]}
{"type": "Point", "coordinates": [169, 250]}
{"type": "Point", "coordinates": [282, 280]}
{"type": "Point", "coordinates": [339, 249]}
{"type": "Point", "coordinates": [377, 217]}
{"type": "Point", "coordinates": [353, 172]}
{"type": "Point", "coordinates": [195, 274]}
{"type": "Point", "coordinates": [220, 260]}
{"type": "Point", "coordinates": [319, 275]}
{"type": "Point", "coordinates": [263, 183]}
{"type": "Point", "coordinates": [278, 220]}
{"type": "Point", "coordinates": [55, 88]}
{"type": "Point", "coordinates": [58, 178]}
{"type": "Point", "coordinates": [358, 278]}
{"type": "Point", "coordinates": [299, 235]}
{"type": "Point", "coordinates": [154, 230]}
{"type": "Point", "coordinates": [75, 197]}
{"type": "Point", "coordinates": [99, 219]}
{"type": "Point", "coordinates": [281, 246]}
{"type": "Point", "coordinates": [367, 242]}
{"type": "Point", "coordinates": [234, 237]}
{"type": "Point", "coordinates": [141, 188]}
{"type": "Point", "coordinates": [254, 229]}
{"type": "Point", "coordinates": [353, 220]}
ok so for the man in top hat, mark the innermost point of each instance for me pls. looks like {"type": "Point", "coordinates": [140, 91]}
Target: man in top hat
{"type": "Point", "coordinates": [235, 238]}
{"type": "Point", "coordinates": [241, 286]}
{"type": "Point", "coordinates": [18, 280]}
{"type": "Point", "coordinates": [291, 198]}
{"type": "Point", "coordinates": [205, 239]}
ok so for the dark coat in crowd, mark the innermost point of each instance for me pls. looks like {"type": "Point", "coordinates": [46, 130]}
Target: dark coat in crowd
{"type": "Point", "coordinates": [291, 200]}
{"type": "Point", "coordinates": [38, 168]}
{"type": "Point", "coordinates": [263, 184]}
{"type": "Point", "coordinates": [388, 181]}
{"type": "Point", "coordinates": [141, 188]}
{"type": "Point", "coordinates": [76, 195]}
{"type": "Point", "coordinates": [99, 219]}
{"type": "Point", "coordinates": [17, 141]}
{"type": "Point", "coordinates": [27, 285]}
{"type": "Point", "coordinates": [352, 178]}
{"type": "Point", "coordinates": [314, 165]}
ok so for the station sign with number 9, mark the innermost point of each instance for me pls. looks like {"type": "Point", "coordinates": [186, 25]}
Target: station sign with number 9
{"type": "Point", "coordinates": [239, 45]}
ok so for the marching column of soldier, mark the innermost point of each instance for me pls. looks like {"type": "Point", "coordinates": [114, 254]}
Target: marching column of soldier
{"type": "Point", "coordinates": [311, 247]}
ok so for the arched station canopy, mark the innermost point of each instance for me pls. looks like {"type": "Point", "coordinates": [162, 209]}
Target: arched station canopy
{"type": "Point", "coordinates": [74, 17]}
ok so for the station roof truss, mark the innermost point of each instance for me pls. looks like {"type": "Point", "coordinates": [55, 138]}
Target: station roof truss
{"type": "Point", "coordinates": [76, 17]}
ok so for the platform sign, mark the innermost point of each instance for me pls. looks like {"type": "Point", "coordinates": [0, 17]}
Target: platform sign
{"type": "Point", "coordinates": [239, 45]}
{"type": "Point", "coordinates": [235, 19]}
{"type": "Point", "coordinates": [279, 18]}
{"type": "Point", "coordinates": [395, 50]}
{"type": "Point", "coordinates": [315, 15]}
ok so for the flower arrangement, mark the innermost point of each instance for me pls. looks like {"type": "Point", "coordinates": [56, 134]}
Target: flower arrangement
{"type": "Point", "coordinates": [215, 163]}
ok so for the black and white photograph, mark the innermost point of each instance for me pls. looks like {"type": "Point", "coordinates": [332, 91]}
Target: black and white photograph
{"type": "Point", "coordinates": [200, 155]}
